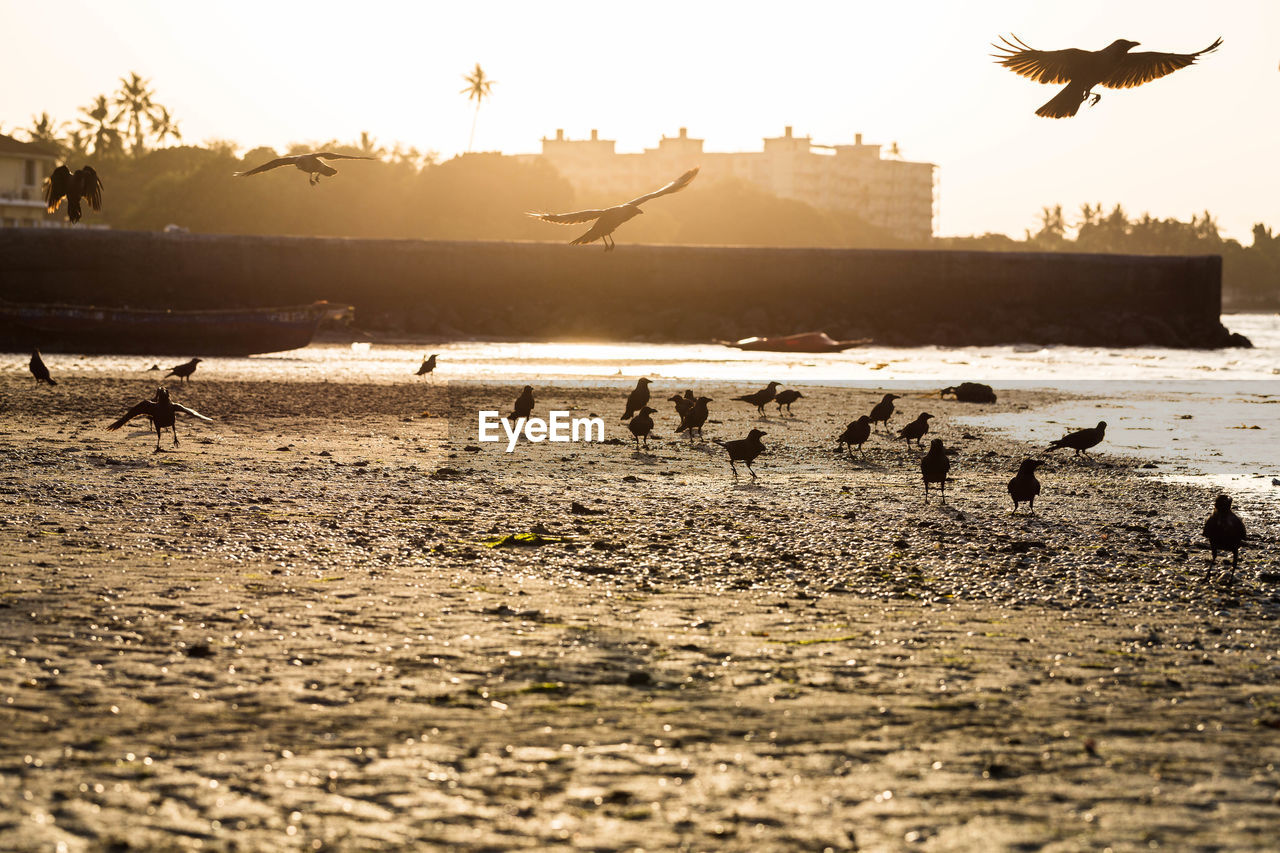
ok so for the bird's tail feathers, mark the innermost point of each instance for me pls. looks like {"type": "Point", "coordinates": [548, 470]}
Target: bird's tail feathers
{"type": "Point", "coordinates": [1065, 104]}
{"type": "Point", "coordinates": [50, 380]}
{"type": "Point", "coordinates": [583, 240]}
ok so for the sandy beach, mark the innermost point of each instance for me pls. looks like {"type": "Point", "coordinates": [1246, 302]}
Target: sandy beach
{"type": "Point", "coordinates": [292, 633]}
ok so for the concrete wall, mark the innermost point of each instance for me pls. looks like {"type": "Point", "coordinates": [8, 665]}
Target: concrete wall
{"type": "Point", "coordinates": [541, 290]}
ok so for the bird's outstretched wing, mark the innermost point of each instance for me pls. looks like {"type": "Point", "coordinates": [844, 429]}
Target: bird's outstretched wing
{"type": "Point", "coordinates": [184, 410]}
{"type": "Point", "coordinates": [143, 408]}
{"type": "Point", "coordinates": [90, 186]}
{"type": "Point", "coordinates": [1043, 66]}
{"type": "Point", "coordinates": [328, 156]}
{"type": "Point", "coordinates": [673, 187]}
{"type": "Point", "coordinates": [265, 167]}
{"type": "Point", "coordinates": [1139, 68]}
{"type": "Point", "coordinates": [567, 218]}
{"type": "Point", "coordinates": [56, 186]}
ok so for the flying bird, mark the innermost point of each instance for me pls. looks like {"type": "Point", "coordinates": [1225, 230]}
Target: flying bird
{"type": "Point", "coordinates": [934, 467]}
{"type": "Point", "coordinates": [428, 365]}
{"type": "Point", "coordinates": [642, 424]}
{"type": "Point", "coordinates": [743, 450]}
{"type": "Point", "coordinates": [637, 399]}
{"type": "Point", "coordinates": [1024, 486]}
{"type": "Point", "coordinates": [759, 398]}
{"type": "Point", "coordinates": [39, 370]}
{"type": "Point", "coordinates": [857, 432]}
{"type": "Point", "coordinates": [1081, 440]}
{"type": "Point", "coordinates": [73, 186]}
{"type": "Point", "coordinates": [183, 371]}
{"type": "Point", "coordinates": [608, 219]}
{"type": "Point", "coordinates": [882, 411]}
{"type": "Point", "coordinates": [1113, 67]}
{"type": "Point", "coordinates": [162, 411]}
{"type": "Point", "coordinates": [1225, 532]}
{"type": "Point", "coordinates": [310, 163]}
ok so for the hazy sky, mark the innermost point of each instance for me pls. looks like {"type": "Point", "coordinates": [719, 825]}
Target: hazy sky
{"type": "Point", "coordinates": [733, 72]}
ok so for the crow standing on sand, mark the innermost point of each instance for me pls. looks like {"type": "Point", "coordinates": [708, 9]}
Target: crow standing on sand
{"type": "Point", "coordinates": [1225, 532]}
{"type": "Point", "coordinates": [695, 417]}
{"type": "Point", "coordinates": [857, 432]}
{"type": "Point", "coordinates": [524, 404]}
{"type": "Point", "coordinates": [683, 404]}
{"type": "Point", "coordinates": [743, 450]}
{"type": "Point", "coordinates": [1113, 67]}
{"type": "Point", "coordinates": [786, 398]}
{"type": "Point", "coordinates": [1081, 440]}
{"type": "Point", "coordinates": [309, 163]}
{"type": "Point", "coordinates": [882, 411]}
{"type": "Point", "coordinates": [162, 412]}
{"type": "Point", "coordinates": [637, 399]}
{"type": "Point", "coordinates": [38, 369]}
{"type": "Point", "coordinates": [64, 184]}
{"type": "Point", "coordinates": [183, 371]}
{"type": "Point", "coordinates": [915, 430]}
{"type": "Point", "coordinates": [428, 365]}
{"type": "Point", "coordinates": [1024, 486]}
{"type": "Point", "coordinates": [934, 467]}
{"type": "Point", "coordinates": [609, 218]}
{"type": "Point", "coordinates": [641, 425]}
{"type": "Point", "coordinates": [759, 398]}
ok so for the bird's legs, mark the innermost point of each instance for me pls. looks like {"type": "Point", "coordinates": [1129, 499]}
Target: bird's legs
{"type": "Point", "coordinates": [175, 435]}
{"type": "Point", "coordinates": [1091, 96]}
{"type": "Point", "coordinates": [608, 243]}
{"type": "Point", "coordinates": [735, 468]}
{"type": "Point", "coordinates": [752, 470]}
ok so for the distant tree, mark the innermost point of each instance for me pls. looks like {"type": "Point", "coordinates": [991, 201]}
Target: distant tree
{"type": "Point", "coordinates": [367, 146]}
{"type": "Point", "coordinates": [45, 131]}
{"type": "Point", "coordinates": [479, 87]}
{"type": "Point", "coordinates": [134, 103]}
{"type": "Point", "coordinates": [103, 136]}
{"type": "Point", "coordinates": [163, 126]}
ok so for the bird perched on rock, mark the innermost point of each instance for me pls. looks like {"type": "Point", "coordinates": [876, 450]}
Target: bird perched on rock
{"type": "Point", "coordinates": [934, 467]}
{"type": "Point", "coordinates": [39, 370]}
{"type": "Point", "coordinates": [309, 163]}
{"type": "Point", "coordinates": [427, 366]}
{"type": "Point", "coordinates": [882, 411]}
{"type": "Point", "coordinates": [162, 412]}
{"type": "Point", "coordinates": [637, 399]}
{"type": "Point", "coordinates": [759, 398]}
{"type": "Point", "coordinates": [72, 186]}
{"type": "Point", "coordinates": [915, 430]}
{"type": "Point", "coordinates": [1081, 440]}
{"type": "Point", "coordinates": [608, 219]}
{"type": "Point", "coordinates": [183, 371]}
{"type": "Point", "coordinates": [1113, 67]}
{"type": "Point", "coordinates": [857, 432]}
{"type": "Point", "coordinates": [524, 404]}
{"type": "Point", "coordinates": [786, 398]}
{"type": "Point", "coordinates": [1225, 532]}
{"type": "Point", "coordinates": [1024, 486]}
{"type": "Point", "coordinates": [683, 404]}
{"type": "Point", "coordinates": [694, 417]}
{"type": "Point", "coordinates": [641, 425]}
{"type": "Point", "coordinates": [743, 450]}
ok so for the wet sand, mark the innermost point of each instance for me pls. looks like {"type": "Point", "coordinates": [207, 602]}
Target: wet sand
{"type": "Point", "coordinates": [292, 634]}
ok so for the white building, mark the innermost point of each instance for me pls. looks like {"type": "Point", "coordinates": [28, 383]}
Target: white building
{"type": "Point", "coordinates": [887, 192]}
{"type": "Point", "coordinates": [23, 168]}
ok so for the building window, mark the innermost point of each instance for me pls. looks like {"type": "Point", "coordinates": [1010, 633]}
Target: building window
{"type": "Point", "coordinates": [31, 173]}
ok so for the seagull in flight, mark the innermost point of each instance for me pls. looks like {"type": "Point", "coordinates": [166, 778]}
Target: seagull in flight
{"type": "Point", "coordinates": [608, 219]}
{"type": "Point", "coordinates": [1113, 67]}
{"type": "Point", "coordinates": [310, 163]}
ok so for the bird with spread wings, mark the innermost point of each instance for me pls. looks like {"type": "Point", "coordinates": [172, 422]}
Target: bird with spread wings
{"type": "Point", "coordinates": [1113, 67]}
{"type": "Point", "coordinates": [310, 163]}
{"type": "Point", "coordinates": [608, 219]}
{"type": "Point", "coordinates": [73, 186]}
{"type": "Point", "coordinates": [161, 410]}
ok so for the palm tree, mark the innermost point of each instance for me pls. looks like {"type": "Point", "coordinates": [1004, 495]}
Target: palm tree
{"type": "Point", "coordinates": [46, 131]}
{"type": "Point", "coordinates": [368, 146]}
{"type": "Point", "coordinates": [98, 124]}
{"type": "Point", "coordinates": [163, 126]}
{"type": "Point", "coordinates": [478, 88]}
{"type": "Point", "coordinates": [133, 102]}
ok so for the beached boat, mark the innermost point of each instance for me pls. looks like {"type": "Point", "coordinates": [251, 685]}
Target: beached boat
{"type": "Point", "coordinates": [88, 329]}
{"type": "Point", "coordinates": [803, 342]}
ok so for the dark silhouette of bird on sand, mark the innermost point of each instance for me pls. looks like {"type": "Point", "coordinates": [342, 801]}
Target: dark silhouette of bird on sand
{"type": "Point", "coordinates": [882, 411]}
{"type": "Point", "coordinates": [786, 398]}
{"type": "Point", "coordinates": [695, 417]}
{"type": "Point", "coordinates": [743, 450]}
{"type": "Point", "coordinates": [1081, 440]}
{"type": "Point", "coordinates": [857, 432]}
{"type": "Point", "coordinates": [915, 430]}
{"type": "Point", "coordinates": [428, 365]}
{"type": "Point", "coordinates": [641, 425]}
{"type": "Point", "coordinates": [524, 404]}
{"type": "Point", "coordinates": [39, 370]}
{"type": "Point", "coordinates": [309, 163]}
{"type": "Point", "coordinates": [72, 186]}
{"type": "Point", "coordinates": [934, 467]}
{"type": "Point", "coordinates": [761, 397]}
{"type": "Point", "coordinates": [162, 412]}
{"type": "Point", "coordinates": [1024, 487]}
{"type": "Point", "coordinates": [183, 371]}
{"type": "Point", "coordinates": [1225, 532]}
{"type": "Point", "coordinates": [608, 219]}
{"type": "Point", "coordinates": [1113, 67]}
{"type": "Point", "coordinates": [682, 404]}
{"type": "Point", "coordinates": [637, 399]}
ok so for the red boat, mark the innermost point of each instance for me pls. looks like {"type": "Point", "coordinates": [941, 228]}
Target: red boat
{"type": "Point", "coordinates": [803, 342]}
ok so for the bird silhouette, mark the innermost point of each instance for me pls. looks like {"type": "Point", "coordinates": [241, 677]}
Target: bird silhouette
{"type": "Point", "coordinates": [1024, 487]}
{"type": "Point", "coordinates": [881, 412]}
{"type": "Point", "coordinates": [309, 163]}
{"type": "Point", "coordinates": [524, 404]}
{"type": "Point", "coordinates": [162, 411]}
{"type": "Point", "coordinates": [73, 186]}
{"type": "Point", "coordinates": [743, 450]}
{"type": "Point", "coordinates": [183, 371]}
{"type": "Point", "coordinates": [428, 365]}
{"type": "Point", "coordinates": [637, 399]}
{"type": "Point", "coordinates": [682, 404]}
{"type": "Point", "coordinates": [641, 425]}
{"type": "Point", "coordinates": [694, 417]}
{"type": "Point", "coordinates": [759, 398]}
{"type": "Point", "coordinates": [1113, 67]}
{"type": "Point", "coordinates": [608, 219]}
{"type": "Point", "coordinates": [857, 432]}
{"type": "Point", "coordinates": [915, 430]}
{"type": "Point", "coordinates": [786, 398]}
{"type": "Point", "coordinates": [39, 370]}
{"type": "Point", "coordinates": [934, 467]}
{"type": "Point", "coordinates": [1081, 440]}
{"type": "Point", "coordinates": [1225, 532]}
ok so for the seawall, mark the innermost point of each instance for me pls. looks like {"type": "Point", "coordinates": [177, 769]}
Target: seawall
{"type": "Point", "coordinates": [638, 292]}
